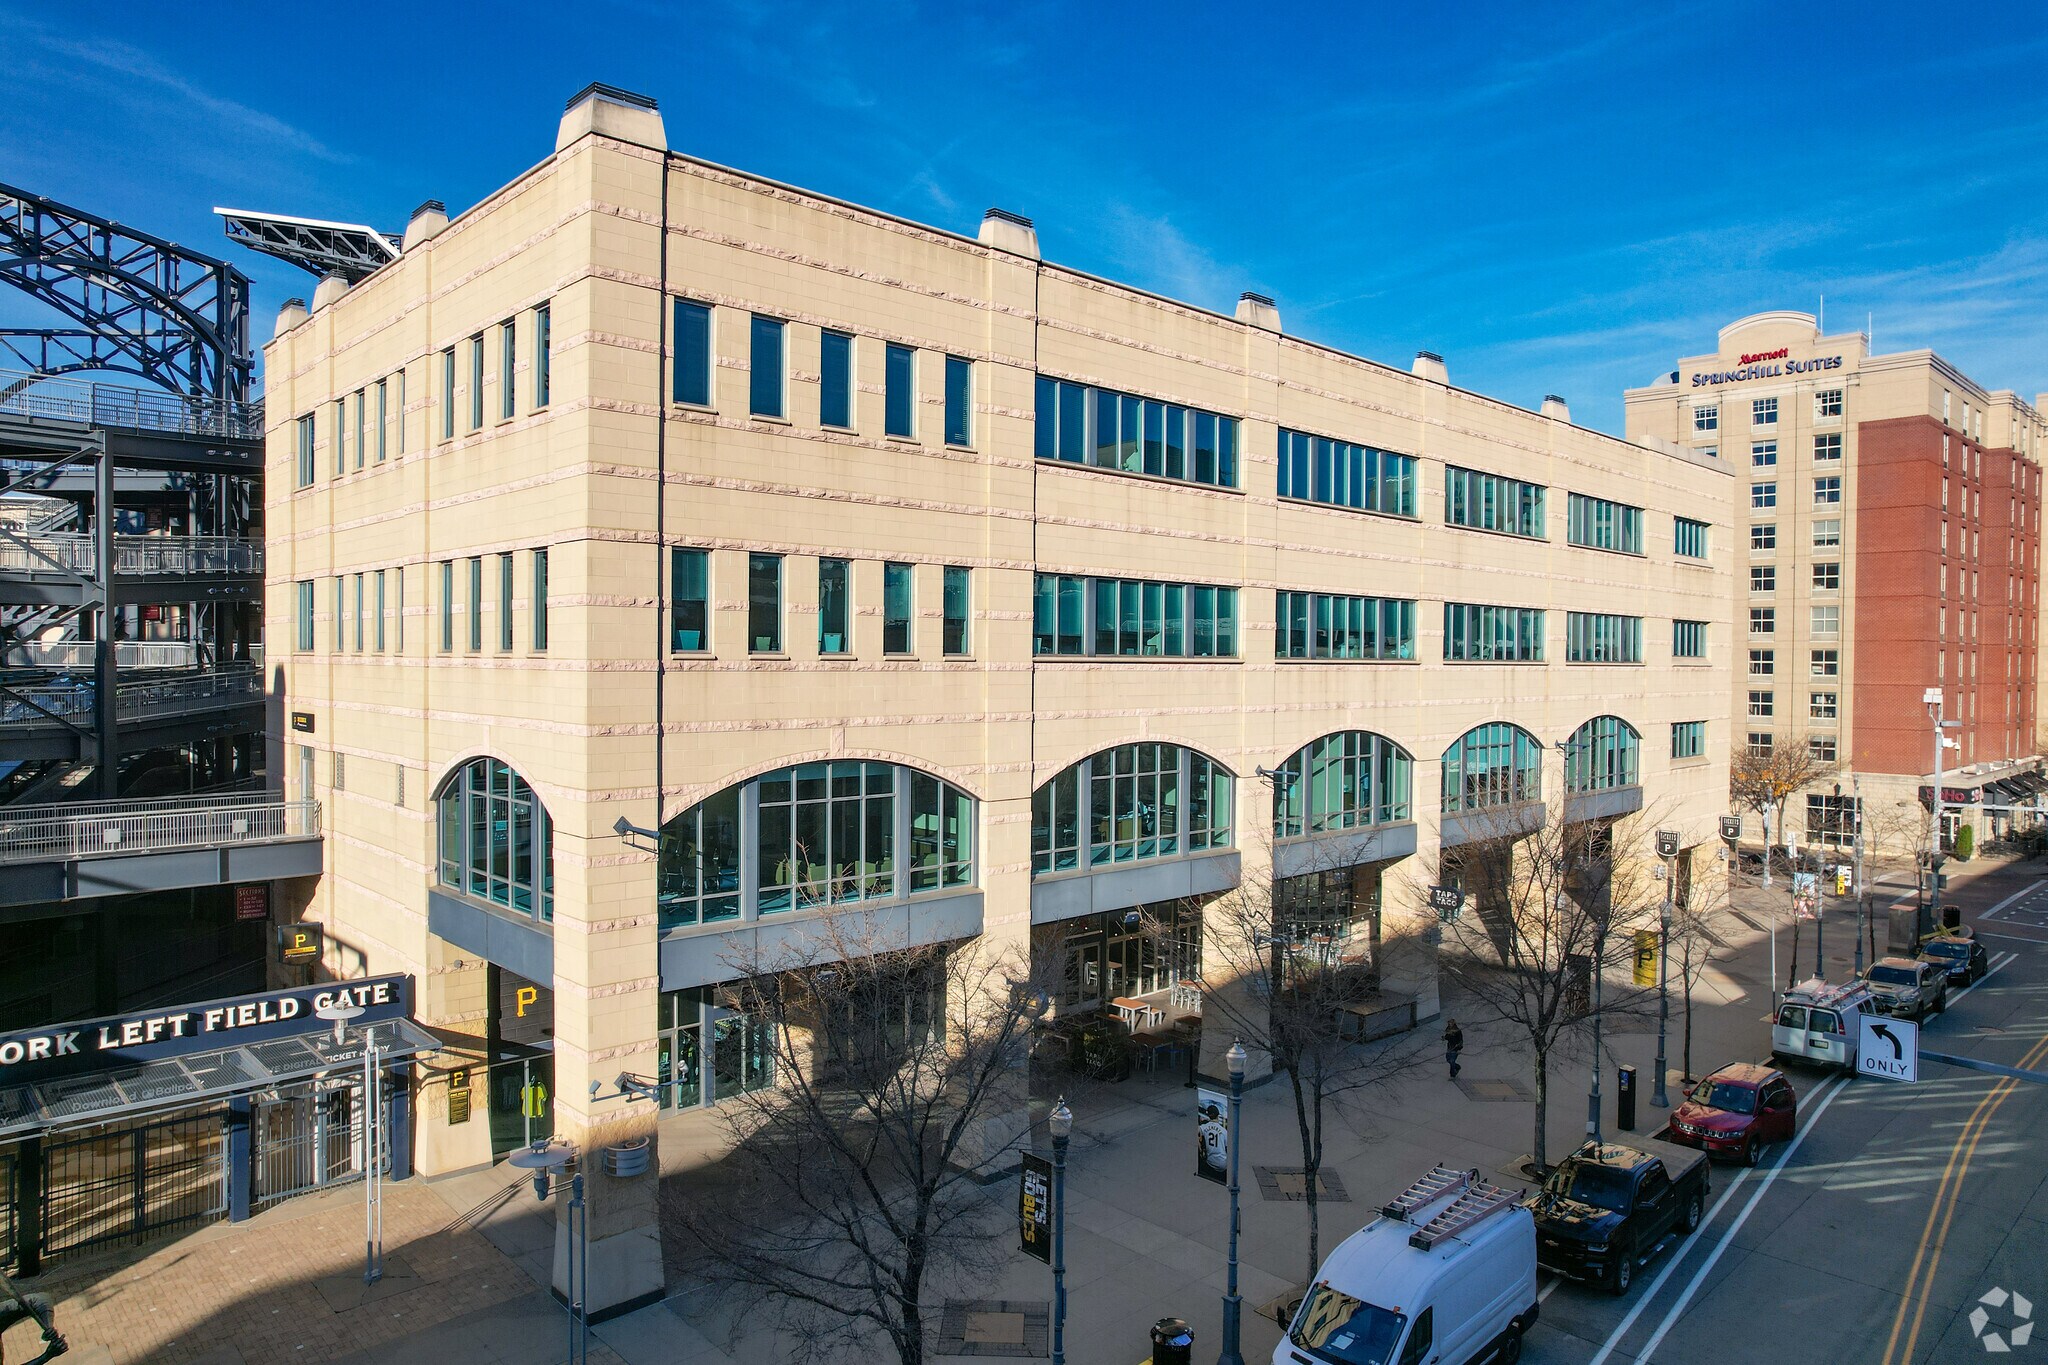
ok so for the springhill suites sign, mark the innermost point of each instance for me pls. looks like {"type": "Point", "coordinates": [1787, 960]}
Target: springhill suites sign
{"type": "Point", "coordinates": [1767, 365]}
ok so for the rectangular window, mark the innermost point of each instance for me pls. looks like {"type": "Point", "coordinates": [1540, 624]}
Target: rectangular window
{"type": "Point", "coordinates": [476, 605]}
{"type": "Point", "coordinates": [1763, 662]}
{"type": "Point", "coordinates": [1599, 524]}
{"type": "Point", "coordinates": [835, 614]}
{"type": "Point", "coordinates": [447, 606]}
{"type": "Point", "coordinates": [1763, 412]}
{"type": "Point", "coordinates": [1492, 502]}
{"type": "Point", "coordinates": [1759, 742]}
{"type": "Point", "coordinates": [1689, 739]}
{"type": "Point", "coordinates": [504, 604]}
{"type": "Point", "coordinates": [1707, 417]}
{"type": "Point", "coordinates": [1690, 538]}
{"type": "Point", "coordinates": [1763, 620]}
{"type": "Point", "coordinates": [398, 407]}
{"type": "Point", "coordinates": [764, 604]}
{"type": "Point", "coordinates": [835, 379]}
{"type": "Point", "coordinates": [689, 629]}
{"type": "Point", "coordinates": [1822, 706]}
{"type": "Point", "coordinates": [899, 598]}
{"type": "Point", "coordinates": [959, 401]}
{"type": "Point", "coordinates": [1827, 403]}
{"type": "Point", "coordinates": [302, 614]}
{"type": "Point", "coordinates": [1315, 625]}
{"type": "Point", "coordinates": [1475, 633]}
{"type": "Point", "coordinates": [539, 609]}
{"type": "Point", "coordinates": [383, 422]}
{"type": "Point", "coordinates": [955, 635]}
{"type": "Point", "coordinates": [1083, 425]}
{"type": "Point", "coordinates": [362, 428]}
{"type": "Point", "coordinates": [448, 394]}
{"type": "Point", "coordinates": [1763, 578]}
{"type": "Point", "coordinates": [899, 391]}
{"type": "Point", "coordinates": [1688, 639]}
{"type": "Point", "coordinates": [1763, 536]}
{"type": "Point", "coordinates": [764, 368]}
{"type": "Point", "coordinates": [693, 354]}
{"type": "Point", "coordinates": [398, 609]}
{"type": "Point", "coordinates": [1827, 621]}
{"type": "Point", "coordinates": [377, 602]}
{"type": "Point", "coordinates": [1822, 747]}
{"type": "Point", "coordinates": [1763, 495]}
{"type": "Point", "coordinates": [305, 461]}
{"type": "Point", "coordinates": [508, 362]}
{"type": "Point", "coordinates": [1595, 638]}
{"type": "Point", "coordinates": [476, 382]}
{"type": "Point", "coordinates": [358, 595]}
{"type": "Point", "coordinates": [1763, 454]}
{"type": "Point", "coordinates": [543, 377]}
{"type": "Point", "coordinates": [1827, 492]}
{"type": "Point", "coordinates": [1827, 663]}
{"type": "Point", "coordinates": [340, 437]}
{"type": "Point", "coordinates": [1827, 446]}
{"type": "Point", "coordinates": [1827, 533]}
{"type": "Point", "coordinates": [1110, 617]}
{"type": "Point", "coordinates": [1827, 577]}
{"type": "Point", "coordinates": [1761, 704]}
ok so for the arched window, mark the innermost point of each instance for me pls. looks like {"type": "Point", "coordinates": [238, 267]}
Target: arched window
{"type": "Point", "coordinates": [811, 836]}
{"type": "Point", "coordinates": [1492, 765]}
{"type": "Point", "coordinates": [1131, 804]}
{"type": "Point", "coordinates": [1342, 781]}
{"type": "Point", "coordinates": [1602, 754]}
{"type": "Point", "coordinates": [497, 842]}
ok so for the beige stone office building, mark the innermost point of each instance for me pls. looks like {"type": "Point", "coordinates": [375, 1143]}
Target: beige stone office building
{"type": "Point", "coordinates": [1888, 523]}
{"type": "Point", "coordinates": [869, 564]}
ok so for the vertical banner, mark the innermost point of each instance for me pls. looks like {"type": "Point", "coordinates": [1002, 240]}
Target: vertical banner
{"type": "Point", "coordinates": [1212, 1136]}
{"type": "Point", "coordinates": [1646, 957]}
{"type": "Point", "coordinates": [1034, 1208]}
{"type": "Point", "coordinates": [1806, 895]}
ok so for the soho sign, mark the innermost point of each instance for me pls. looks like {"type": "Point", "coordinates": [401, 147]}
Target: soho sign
{"type": "Point", "coordinates": [226, 1017]}
{"type": "Point", "coordinates": [1768, 365]}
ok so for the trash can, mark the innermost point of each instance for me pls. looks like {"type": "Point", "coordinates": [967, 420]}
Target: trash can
{"type": "Point", "coordinates": [1172, 1343]}
{"type": "Point", "coordinates": [1951, 916]}
{"type": "Point", "coordinates": [1625, 1100]}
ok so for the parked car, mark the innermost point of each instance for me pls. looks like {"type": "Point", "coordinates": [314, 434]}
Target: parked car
{"type": "Point", "coordinates": [1607, 1208]}
{"type": "Point", "coordinates": [1446, 1272]}
{"type": "Point", "coordinates": [1907, 987]}
{"type": "Point", "coordinates": [1961, 956]}
{"type": "Point", "coordinates": [1817, 1022]}
{"type": "Point", "coordinates": [1737, 1112]}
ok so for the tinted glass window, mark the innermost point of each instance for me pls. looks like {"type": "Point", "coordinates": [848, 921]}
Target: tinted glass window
{"type": "Point", "coordinates": [1792, 1016]}
{"type": "Point", "coordinates": [1734, 1099]}
{"type": "Point", "coordinates": [1893, 976]}
{"type": "Point", "coordinates": [835, 380]}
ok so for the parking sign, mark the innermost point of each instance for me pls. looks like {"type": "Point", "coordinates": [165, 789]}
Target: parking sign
{"type": "Point", "coordinates": [1888, 1048]}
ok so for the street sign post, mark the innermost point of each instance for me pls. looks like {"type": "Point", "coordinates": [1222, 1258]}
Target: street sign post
{"type": "Point", "coordinates": [1887, 1048]}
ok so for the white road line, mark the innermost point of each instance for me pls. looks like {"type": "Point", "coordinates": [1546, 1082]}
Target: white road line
{"type": "Point", "coordinates": [1992, 913]}
{"type": "Point", "coordinates": [1657, 1285]}
{"type": "Point", "coordinates": [1549, 1289]}
{"type": "Point", "coordinates": [1997, 966]}
{"type": "Point", "coordinates": [2009, 938]}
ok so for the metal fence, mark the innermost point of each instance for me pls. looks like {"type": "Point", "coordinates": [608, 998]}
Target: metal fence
{"type": "Point", "coordinates": [129, 1183]}
{"type": "Point", "coordinates": [79, 654]}
{"type": "Point", "coordinates": [137, 556]}
{"type": "Point", "coordinates": [6, 1208]}
{"type": "Point", "coordinates": [50, 705]}
{"type": "Point", "coordinates": [310, 1141]}
{"type": "Point", "coordinates": [44, 833]}
{"type": "Point", "coordinates": [26, 394]}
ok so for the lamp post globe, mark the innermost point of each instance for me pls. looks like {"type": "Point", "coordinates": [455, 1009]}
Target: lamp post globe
{"type": "Point", "coordinates": [1061, 1124]}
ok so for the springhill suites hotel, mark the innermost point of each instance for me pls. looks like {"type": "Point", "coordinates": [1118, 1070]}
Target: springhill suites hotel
{"type": "Point", "coordinates": [867, 563]}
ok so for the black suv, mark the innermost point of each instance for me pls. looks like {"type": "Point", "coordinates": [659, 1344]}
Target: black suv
{"type": "Point", "coordinates": [1963, 958]}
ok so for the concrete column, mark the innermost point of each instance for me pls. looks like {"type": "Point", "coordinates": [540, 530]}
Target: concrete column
{"type": "Point", "coordinates": [241, 1157]}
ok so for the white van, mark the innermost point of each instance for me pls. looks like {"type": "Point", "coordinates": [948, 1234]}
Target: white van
{"type": "Point", "coordinates": [1446, 1273]}
{"type": "Point", "coordinates": [1816, 1022]}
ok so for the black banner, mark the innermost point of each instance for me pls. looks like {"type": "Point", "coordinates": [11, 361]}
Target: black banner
{"type": "Point", "coordinates": [1034, 1208]}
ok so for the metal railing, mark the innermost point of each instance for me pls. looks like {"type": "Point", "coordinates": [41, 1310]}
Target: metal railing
{"type": "Point", "coordinates": [25, 394]}
{"type": "Point", "coordinates": [53, 704]}
{"type": "Point", "coordinates": [98, 828]}
{"type": "Point", "coordinates": [181, 556]}
{"type": "Point", "coordinates": [78, 654]}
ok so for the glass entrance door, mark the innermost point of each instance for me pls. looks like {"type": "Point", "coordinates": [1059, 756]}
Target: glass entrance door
{"type": "Point", "coordinates": [741, 1048]}
{"type": "Point", "coordinates": [680, 1067]}
{"type": "Point", "coordinates": [741, 1058]}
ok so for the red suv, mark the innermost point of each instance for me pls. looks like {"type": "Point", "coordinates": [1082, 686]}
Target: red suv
{"type": "Point", "coordinates": [1737, 1112]}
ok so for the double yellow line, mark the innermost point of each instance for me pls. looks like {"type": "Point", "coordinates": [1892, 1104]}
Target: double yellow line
{"type": "Point", "coordinates": [1933, 1237]}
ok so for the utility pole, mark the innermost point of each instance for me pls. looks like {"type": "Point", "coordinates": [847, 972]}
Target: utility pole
{"type": "Point", "coordinates": [1932, 697]}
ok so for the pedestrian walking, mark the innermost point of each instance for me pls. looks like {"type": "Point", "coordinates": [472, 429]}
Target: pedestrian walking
{"type": "Point", "coordinates": [1454, 1043]}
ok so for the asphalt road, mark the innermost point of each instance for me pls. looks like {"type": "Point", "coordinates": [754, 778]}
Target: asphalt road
{"type": "Point", "coordinates": [1898, 1209]}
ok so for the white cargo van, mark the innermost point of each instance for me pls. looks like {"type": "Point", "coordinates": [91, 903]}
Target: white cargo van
{"type": "Point", "coordinates": [1445, 1274]}
{"type": "Point", "coordinates": [1817, 1022]}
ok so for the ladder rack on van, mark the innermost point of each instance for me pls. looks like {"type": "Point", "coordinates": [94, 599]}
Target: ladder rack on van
{"type": "Point", "coordinates": [1441, 1180]}
{"type": "Point", "coordinates": [1475, 1204]}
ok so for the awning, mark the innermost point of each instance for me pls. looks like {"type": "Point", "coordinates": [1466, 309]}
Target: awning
{"type": "Point", "coordinates": [102, 1096]}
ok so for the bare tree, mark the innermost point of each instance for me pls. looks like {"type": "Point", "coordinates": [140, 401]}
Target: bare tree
{"type": "Point", "coordinates": [854, 1186]}
{"type": "Point", "coordinates": [1765, 781]}
{"type": "Point", "coordinates": [1551, 907]}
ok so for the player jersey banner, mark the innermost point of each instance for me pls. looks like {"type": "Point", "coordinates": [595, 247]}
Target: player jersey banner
{"type": "Point", "coordinates": [1212, 1136]}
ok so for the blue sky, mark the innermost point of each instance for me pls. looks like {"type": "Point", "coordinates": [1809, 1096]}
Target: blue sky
{"type": "Point", "coordinates": [1558, 200]}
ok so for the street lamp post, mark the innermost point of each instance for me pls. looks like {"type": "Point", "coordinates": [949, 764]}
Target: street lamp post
{"type": "Point", "coordinates": [544, 1159]}
{"type": "Point", "coordinates": [1062, 1125]}
{"type": "Point", "coordinates": [1232, 1304]}
{"type": "Point", "coordinates": [1932, 697]}
{"type": "Point", "coordinates": [339, 1013]}
{"type": "Point", "coordinates": [1862, 901]}
{"type": "Point", "coordinates": [1667, 849]}
{"type": "Point", "coordinates": [1560, 903]}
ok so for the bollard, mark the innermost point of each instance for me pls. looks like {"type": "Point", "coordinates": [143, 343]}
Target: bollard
{"type": "Point", "coordinates": [1625, 1100]}
{"type": "Point", "coordinates": [1172, 1343]}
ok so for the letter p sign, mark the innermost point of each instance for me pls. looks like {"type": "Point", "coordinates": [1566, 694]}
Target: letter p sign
{"type": "Point", "coordinates": [524, 996]}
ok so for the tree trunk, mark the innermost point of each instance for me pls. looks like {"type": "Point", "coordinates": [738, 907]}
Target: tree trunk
{"type": "Point", "coordinates": [910, 1346]}
{"type": "Point", "coordinates": [1685, 1062]}
{"type": "Point", "coordinates": [1792, 966]}
{"type": "Point", "coordinates": [1539, 1152]}
{"type": "Point", "coordinates": [1306, 1128]}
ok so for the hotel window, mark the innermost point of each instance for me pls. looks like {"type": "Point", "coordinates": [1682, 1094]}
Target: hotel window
{"type": "Point", "coordinates": [341, 437]}
{"type": "Point", "coordinates": [476, 605]}
{"type": "Point", "coordinates": [358, 593]}
{"type": "Point", "coordinates": [899, 391]}
{"type": "Point", "coordinates": [1827, 533]}
{"type": "Point", "coordinates": [1822, 747]}
{"type": "Point", "coordinates": [305, 461]}
{"type": "Point", "coordinates": [1763, 495]}
{"type": "Point", "coordinates": [693, 354]}
{"type": "Point", "coordinates": [1706, 417]}
{"type": "Point", "coordinates": [362, 429]}
{"type": "Point", "coordinates": [1711, 452]}
{"type": "Point", "coordinates": [1827, 403]}
{"type": "Point", "coordinates": [1827, 663]}
{"type": "Point", "coordinates": [833, 613]}
{"type": "Point", "coordinates": [899, 605]}
{"type": "Point", "coordinates": [835, 379]}
{"type": "Point", "coordinates": [539, 608]}
{"type": "Point", "coordinates": [1821, 706]}
{"type": "Point", "coordinates": [1763, 662]}
{"type": "Point", "coordinates": [543, 376]}
{"type": "Point", "coordinates": [764, 368]}
{"type": "Point", "coordinates": [508, 361]}
{"type": "Point", "coordinates": [448, 394]}
{"type": "Point", "coordinates": [1827, 446]}
{"type": "Point", "coordinates": [1763, 620]}
{"type": "Point", "coordinates": [1763, 454]}
{"type": "Point", "coordinates": [1759, 742]}
{"type": "Point", "coordinates": [398, 608]}
{"type": "Point", "coordinates": [1763, 412]}
{"type": "Point", "coordinates": [382, 421]}
{"type": "Point", "coordinates": [1492, 502]}
{"type": "Point", "coordinates": [1763, 536]}
{"type": "Point", "coordinates": [1760, 704]}
{"type": "Point", "coordinates": [1316, 625]}
{"type": "Point", "coordinates": [1827, 577]}
{"type": "Point", "coordinates": [1342, 781]}
{"type": "Point", "coordinates": [1133, 803]}
{"type": "Point", "coordinates": [1827, 492]}
{"type": "Point", "coordinates": [377, 602]}
{"type": "Point", "coordinates": [959, 401]}
{"type": "Point", "coordinates": [398, 408]}
{"type": "Point", "coordinates": [1689, 739]}
{"type": "Point", "coordinates": [1688, 639]}
{"type": "Point", "coordinates": [764, 604]}
{"type": "Point", "coordinates": [956, 611]}
{"type": "Point", "coordinates": [1342, 474]}
{"type": "Point", "coordinates": [1598, 524]}
{"type": "Point", "coordinates": [302, 614]}
{"type": "Point", "coordinates": [504, 604]}
{"type": "Point", "coordinates": [476, 382]}
{"type": "Point", "coordinates": [1763, 578]}
{"type": "Point", "coordinates": [447, 606]}
{"type": "Point", "coordinates": [1601, 755]}
{"type": "Point", "coordinates": [1594, 638]}
{"type": "Point", "coordinates": [1082, 425]}
{"type": "Point", "coordinates": [496, 841]}
{"type": "Point", "coordinates": [1491, 765]}
{"type": "Point", "coordinates": [1488, 634]}
{"type": "Point", "coordinates": [1689, 538]}
{"type": "Point", "coordinates": [1122, 617]}
{"type": "Point", "coordinates": [689, 612]}
{"type": "Point", "coordinates": [1827, 621]}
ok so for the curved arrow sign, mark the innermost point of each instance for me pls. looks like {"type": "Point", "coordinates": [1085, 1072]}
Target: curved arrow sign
{"type": "Point", "coordinates": [1888, 1049]}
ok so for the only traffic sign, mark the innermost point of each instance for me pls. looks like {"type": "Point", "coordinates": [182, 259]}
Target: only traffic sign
{"type": "Point", "coordinates": [1887, 1048]}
